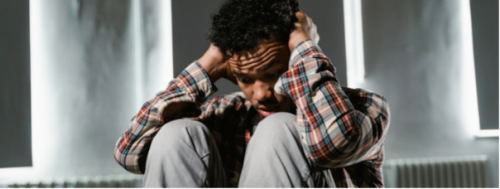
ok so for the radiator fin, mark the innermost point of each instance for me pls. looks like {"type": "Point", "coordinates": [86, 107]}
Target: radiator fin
{"type": "Point", "coordinates": [109, 181]}
{"type": "Point", "coordinates": [462, 171]}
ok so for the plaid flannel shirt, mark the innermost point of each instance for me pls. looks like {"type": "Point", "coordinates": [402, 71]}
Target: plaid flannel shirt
{"type": "Point", "coordinates": [342, 129]}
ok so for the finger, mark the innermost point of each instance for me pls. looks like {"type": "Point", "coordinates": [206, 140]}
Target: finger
{"type": "Point", "coordinates": [315, 34]}
{"type": "Point", "coordinates": [301, 17]}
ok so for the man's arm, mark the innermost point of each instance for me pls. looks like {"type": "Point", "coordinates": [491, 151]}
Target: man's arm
{"type": "Point", "coordinates": [338, 132]}
{"type": "Point", "coordinates": [182, 98]}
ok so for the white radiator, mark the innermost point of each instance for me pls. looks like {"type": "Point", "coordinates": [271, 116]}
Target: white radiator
{"type": "Point", "coordinates": [109, 181]}
{"type": "Point", "coordinates": [462, 171]}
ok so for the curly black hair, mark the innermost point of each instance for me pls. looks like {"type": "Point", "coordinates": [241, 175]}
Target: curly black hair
{"type": "Point", "coordinates": [241, 24]}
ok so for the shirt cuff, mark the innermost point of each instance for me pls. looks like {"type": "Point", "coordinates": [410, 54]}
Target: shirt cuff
{"type": "Point", "coordinates": [200, 82]}
{"type": "Point", "coordinates": [303, 49]}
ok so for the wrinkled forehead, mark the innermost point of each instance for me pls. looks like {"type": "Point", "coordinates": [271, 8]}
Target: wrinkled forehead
{"type": "Point", "coordinates": [265, 55]}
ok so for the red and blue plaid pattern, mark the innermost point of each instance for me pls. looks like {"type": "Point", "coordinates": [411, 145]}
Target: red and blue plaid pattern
{"type": "Point", "coordinates": [336, 134]}
{"type": "Point", "coordinates": [343, 129]}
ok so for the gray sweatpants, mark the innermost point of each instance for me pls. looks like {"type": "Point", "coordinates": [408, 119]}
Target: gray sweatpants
{"type": "Point", "coordinates": [184, 154]}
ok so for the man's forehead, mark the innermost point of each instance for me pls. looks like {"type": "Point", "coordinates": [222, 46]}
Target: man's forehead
{"type": "Point", "coordinates": [262, 46]}
{"type": "Point", "coordinates": [263, 57]}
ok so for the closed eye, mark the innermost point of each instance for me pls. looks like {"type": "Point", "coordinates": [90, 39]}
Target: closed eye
{"type": "Point", "coordinates": [276, 74]}
{"type": "Point", "coordinates": [273, 75]}
{"type": "Point", "coordinates": [244, 80]}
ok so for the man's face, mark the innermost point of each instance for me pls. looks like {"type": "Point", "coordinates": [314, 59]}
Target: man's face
{"type": "Point", "coordinates": [256, 73]}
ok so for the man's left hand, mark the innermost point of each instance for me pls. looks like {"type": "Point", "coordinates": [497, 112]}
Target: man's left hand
{"type": "Point", "coordinates": [304, 29]}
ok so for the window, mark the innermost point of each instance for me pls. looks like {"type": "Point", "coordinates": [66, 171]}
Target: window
{"type": "Point", "coordinates": [484, 17]}
{"type": "Point", "coordinates": [15, 98]}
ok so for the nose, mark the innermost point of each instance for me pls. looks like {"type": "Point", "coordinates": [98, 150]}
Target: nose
{"type": "Point", "coordinates": [262, 91]}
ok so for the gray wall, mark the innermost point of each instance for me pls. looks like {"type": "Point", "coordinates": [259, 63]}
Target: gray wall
{"type": "Point", "coordinates": [15, 100]}
{"type": "Point", "coordinates": [329, 18]}
{"type": "Point", "coordinates": [190, 24]}
{"type": "Point", "coordinates": [484, 15]}
{"type": "Point", "coordinates": [413, 58]}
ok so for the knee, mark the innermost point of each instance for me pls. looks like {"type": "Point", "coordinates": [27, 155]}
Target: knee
{"type": "Point", "coordinates": [176, 142]}
{"type": "Point", "coordinates": [174, 134]}
{"type": "Point", "coordinates": [275, 129]}
{"type": "Point", "coordinates": [277, 123]}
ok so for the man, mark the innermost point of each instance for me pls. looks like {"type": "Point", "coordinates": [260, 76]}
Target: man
{"type": "Point", "coordinates": [293, 125]}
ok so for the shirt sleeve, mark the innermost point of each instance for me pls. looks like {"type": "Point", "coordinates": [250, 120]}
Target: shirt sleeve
{"type": "Point", "coordinates": [338, 130]}
{"type": "Point", "coordinates": [193, 86]}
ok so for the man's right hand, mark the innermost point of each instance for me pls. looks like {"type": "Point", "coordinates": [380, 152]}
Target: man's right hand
{"type": "Point", "coordinates": [215, 64]}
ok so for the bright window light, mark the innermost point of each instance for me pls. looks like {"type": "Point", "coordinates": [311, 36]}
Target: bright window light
{"type": "Point", "coordinates": [166, 46]}
{"type": "Point", "coordinates": [354, 42]}
{"type": "Point", "coordinates": [138, 51]}
{"type": "Point", "coordinates": [152, 71]}
{"type": "Point", "coordinates": [487, 133]}
{"type": "Point", "coordinates": [469, 90]}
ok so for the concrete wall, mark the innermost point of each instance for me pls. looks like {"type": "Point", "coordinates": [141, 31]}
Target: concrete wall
{"type": "Point", "coordinates": [413, 57]}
